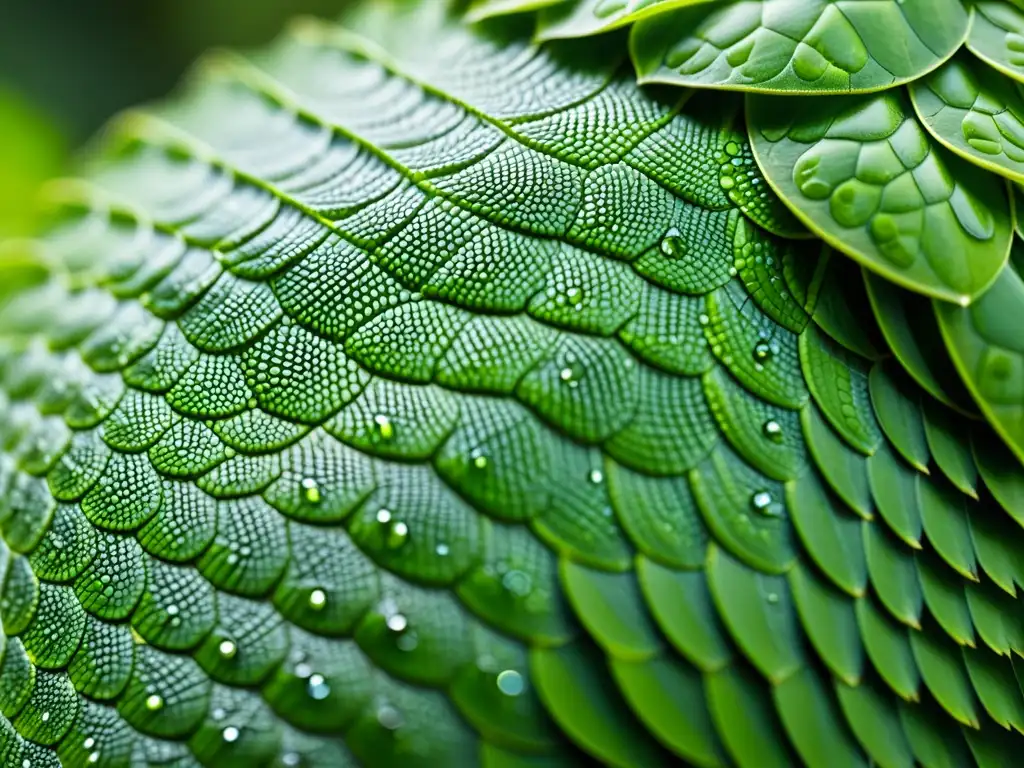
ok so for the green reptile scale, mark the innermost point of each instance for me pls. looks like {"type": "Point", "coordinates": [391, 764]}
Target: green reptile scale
{"type": "Point", "coordinates": [422, 391]}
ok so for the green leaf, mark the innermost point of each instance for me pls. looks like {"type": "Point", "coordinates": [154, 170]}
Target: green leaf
{"type": "Point", "coordinates": [829, 620]}
{"type": "Point", "coordinates": [590, 17]}
{"type": "Point", "coordinates": [888, 646]}
{"type": "Point", "coordinates": [897, 406]}
{"type": "Point", "coordinates": [996, 30]}
{"type": "Point", "coordinates": [894, 489]}
{"type": "Point", "coordinates": [945, 434]}
{"type": "Point", "coordinates": [893, 574]}
{"type": "Point", "coordinates": [865, 176]}
{"type": "Point", "coordinates": [489, 9]}
{"type": "Point", "coordinates": [1000, 470]}
{"type": "Point", "coordinates": [746, 719]}
{"type": "Point", "coordinates": [758, 611]}
{"type": "Point", "coordinates": [814, 723]}
{"type": "Point", "coordinates": [668, 696]}
{"type": "Point", "coordinates": [975, 112]}
{"type": "Point", "coordinates": [844, 469]}
{"type": "Point", "coordinates": [582, 699]}
{"type": "Point", "coordinates": [829, 533]}
{"type": "Point", "coordinates": [912, 331]}
{"type": "Point", "coordinates": [988, 351]}
{"type": "Point", "coordinates": [936, 743]}
{"type": "Point", "coordinates": [744, 511]}
{"type": "Point", "coordinates": [943, 671]}
{"type": "Point", "coordinates": [838, 381]}
{"type": "Point", "coordinates": [611, 608]}
{"type": "Point", "coordinates": [872, 716]}
{"type": "Point", "coordinates": [681, 604]}
{"type": "Point", "coordinates": [817, 48]}
{"type": "Point", "coordinates": [995, 616]}
{"type": "Point", "coordinates": [997, 542]}
{"type": "Point", "coordinates": [947, 525]}
{"type": "Point", "coordinates": [944, 594]}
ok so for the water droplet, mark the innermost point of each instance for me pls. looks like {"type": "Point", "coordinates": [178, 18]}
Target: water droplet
{"type": "Point", "coordinates": [383, 516]}
{"type": "Point", "coordinates": [773, 431]}
{"type": "Point", "coordinates": [310, 490]}
{"type": "Point", "coordinates": [442, 550]}
{"type": "Point", "coordinates": [172, 610]}
{"type": "Point", "coordinates": [218, 714]}
{"type": "Point", "coordinates": [227, 649]}
{"type": "Point", "coordinates": [290, 759]}
{"type": "Point", "coordinates": [773, 597]}
{"type": "Point", "coordinates": [230, 734]}
{"type": "Point", "coordinates": [566, 374]}
{"type": "Point", "coordinates": [673, 246]}
{"type": "Point", "coordinates": [317, 688]}
{"type": "Point", "coordinates": [397, 622]}
{"type": "Point", "coordinates": [317, 599]}
{"type": "Point", "coordinates": [154, 702]}
{"type": "Point", "coordinates": [596, 476]}
{"type": "Point", "coordinates": [94, 757]}
{"type": "Point", "coordinates": [389, 717]}
{"type": "Point", "coordinates": [397, 535]}
{"type": "Point", "coordinates": [517, 582]}
{"type": "Point", "coordinates": [510, 682]}
{"type": "Point", "coordinates": [762, 352]}
{"type": "Point", "coordinates": [89, 743]}
{"type": "Point", "coordinates": [303, 670]}
{"type": "Point", "coordinates": [45, 717]}
{"type": "Point", "coordinates": [479, 458]}
{"type": "Point", "coordinates": [761, 500]}
{"type": "Point", "coordinates": [385, 428]}
{"type": "Point", "coordinates": [703, 319]}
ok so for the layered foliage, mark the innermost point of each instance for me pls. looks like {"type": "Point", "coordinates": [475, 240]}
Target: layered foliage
{"type": "Point", "coordinates": [414, 393]}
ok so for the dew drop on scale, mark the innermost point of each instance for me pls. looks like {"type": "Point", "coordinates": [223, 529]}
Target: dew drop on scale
{"type": "Point", "coordinates": [317, 688]}
{"type": "Point", "coordinates": [385, 429]}
{"type": "Point", "coordinates": [672, 244]}
{"type": "Point", "coordinates": [317, 599]}
{"type": "Point", "coordinates": [311, 490]}
{"type": "Point", "coordinates": [510, 682]}
{"type": "Point", "coordinates": [773, 431]}
{"type": "Point", "coordinates": [762, 352]}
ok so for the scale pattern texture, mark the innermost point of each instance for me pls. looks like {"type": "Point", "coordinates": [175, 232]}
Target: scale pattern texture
{"type": "Point", "coordinates": [421, 395]}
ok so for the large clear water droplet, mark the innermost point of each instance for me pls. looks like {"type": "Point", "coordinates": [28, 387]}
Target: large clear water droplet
{"type": "Point", "coordinates": [398, 534]}
{"type": "Point", "coordinates": [385, 429]}
{"type": "Point", "coordinates": [510, 682]}
{"type": "Point", "coordinates": [227, 649]}
{"type": "Point", "coordinates": [311, 490]}
{"type": "Point", "coordinates": [317, 599]}
{"type": "Point", "coordinates": [773, 431]}
{"type": "Point", "coordinates": [317, 688]}
{"type": "Point", "coordinates": [230, 734]}
{"type": "Point", "coordinates": [673, 246]}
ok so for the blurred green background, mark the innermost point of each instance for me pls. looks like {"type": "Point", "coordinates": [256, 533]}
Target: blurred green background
{"type": "Point", "coordinates": [66, 66]}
